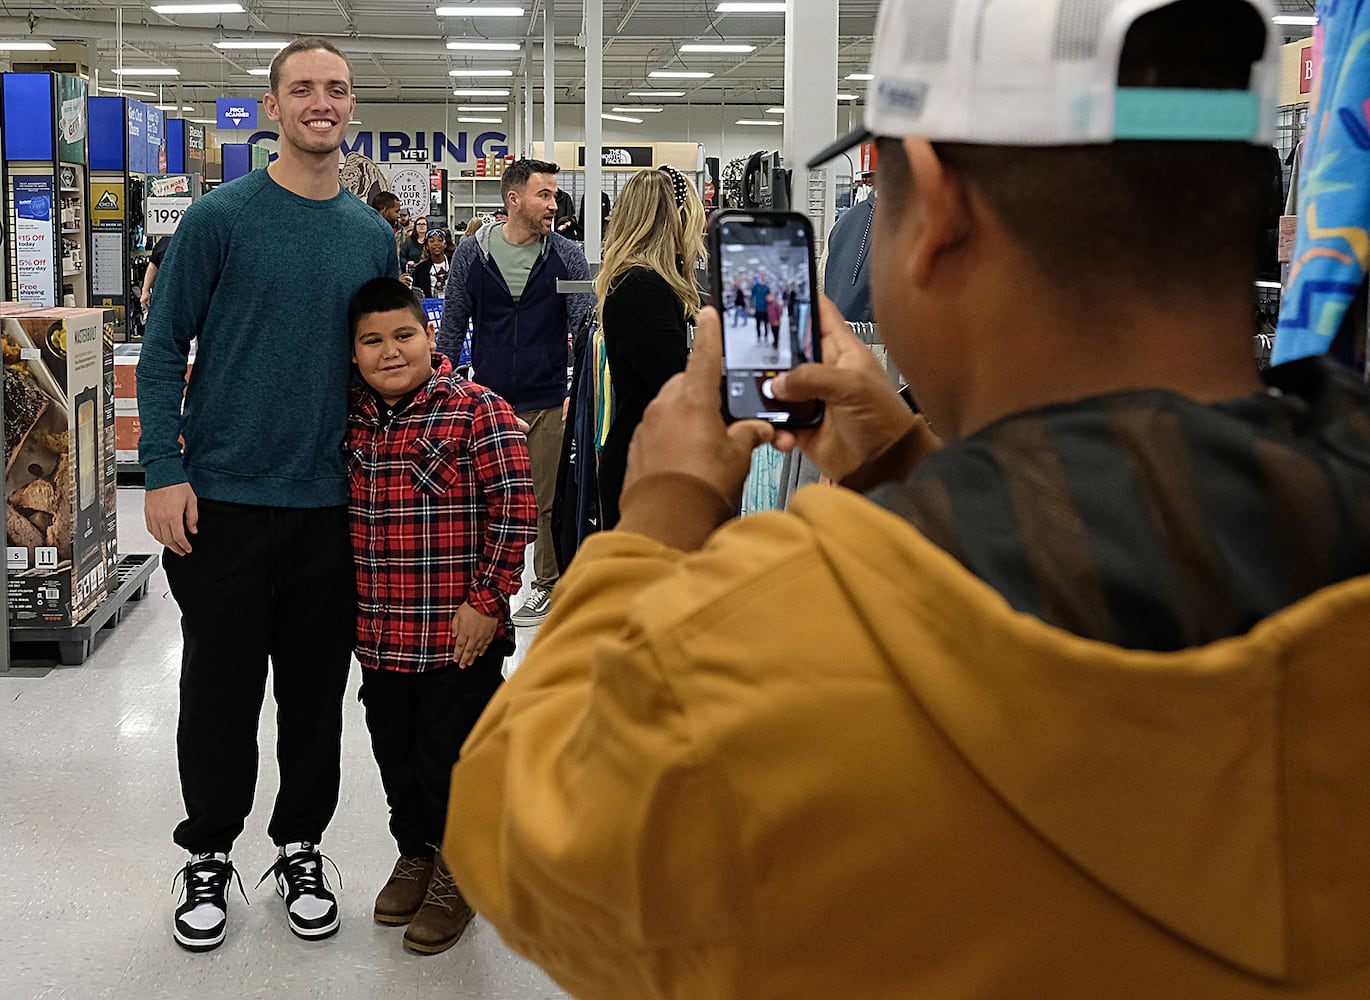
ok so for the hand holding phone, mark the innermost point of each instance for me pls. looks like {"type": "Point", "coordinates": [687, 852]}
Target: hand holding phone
{"type": "Point", "coordinates": [683, 433]}
{"type": "Point", "coordinates": [867, 426]}
{"type": "Point", "coordinates": [762, 276]}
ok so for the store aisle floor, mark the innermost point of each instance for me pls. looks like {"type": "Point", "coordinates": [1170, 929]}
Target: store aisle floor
{"type": "Point", "coordinates": [88, 799]}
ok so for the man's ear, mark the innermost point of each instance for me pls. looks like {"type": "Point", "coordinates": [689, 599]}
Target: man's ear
{"type": "Point", "coordinates": [273, 108]}
{"type": "Point", "coordinates": [942, 208]}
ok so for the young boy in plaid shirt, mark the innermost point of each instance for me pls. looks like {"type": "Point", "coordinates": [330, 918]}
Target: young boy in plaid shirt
{"type": "Point", "coordinates": [441, 510]}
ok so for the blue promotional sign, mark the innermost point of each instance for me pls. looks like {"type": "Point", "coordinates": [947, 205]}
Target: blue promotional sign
{"type": "Point", "coordinates": [137, 137]}
{"type": "Point", "coordinates": [35, 241]}
{"type": "Point", "coordinates": [28, 116]}
{"type": "Point", "coordinates": [236, 112]}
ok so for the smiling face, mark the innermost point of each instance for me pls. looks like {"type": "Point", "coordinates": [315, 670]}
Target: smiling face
{"type": "Point", "coordinates": [437, 246]}
{"type": "Point", "coordinates": [394, 352]}
{"type": "Point", "coordinates": [313, 103]}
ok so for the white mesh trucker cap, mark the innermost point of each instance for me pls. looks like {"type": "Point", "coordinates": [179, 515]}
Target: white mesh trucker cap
{"type": "Point", "coordinates": [1040, 73]}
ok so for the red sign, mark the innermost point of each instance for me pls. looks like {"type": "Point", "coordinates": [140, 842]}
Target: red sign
{"type": "Point", "coordinates": [1306, 70]}
{"type": "Point", "coordinates": [868, 157]}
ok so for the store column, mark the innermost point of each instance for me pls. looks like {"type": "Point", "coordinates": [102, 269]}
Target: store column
{"type": "Point", "coordinates": [811, 108]}
{"type": "Point", "coordinates": [549, 80]}
{"type": "Point", "coordinates": [594, 129]}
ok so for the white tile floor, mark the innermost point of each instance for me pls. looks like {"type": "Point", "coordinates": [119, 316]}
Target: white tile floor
{"type": "Point", "coordinates": [88, 799]}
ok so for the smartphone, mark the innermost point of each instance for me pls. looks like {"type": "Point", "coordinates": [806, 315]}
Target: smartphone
{"type": "Point", "coordinates": [762, 281]}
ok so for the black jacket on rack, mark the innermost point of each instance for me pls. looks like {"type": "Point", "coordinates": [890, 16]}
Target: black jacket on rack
{"type": "Point", "coordinates": [847, 278]}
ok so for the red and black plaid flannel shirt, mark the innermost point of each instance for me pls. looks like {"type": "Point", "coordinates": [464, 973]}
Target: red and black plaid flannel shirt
{"type": "Point", "coordinates": [442, 508]}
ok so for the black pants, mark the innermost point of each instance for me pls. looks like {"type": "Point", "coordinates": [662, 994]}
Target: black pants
{"type": "Point", "coordinates": [418, 723]}
{"type": "Point", "coordinates": [262, 583]}
{"type": "Point", "coordinates": [762, 325]}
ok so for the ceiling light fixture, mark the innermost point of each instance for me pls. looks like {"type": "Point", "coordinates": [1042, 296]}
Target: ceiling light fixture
{"type": "Point", "coordinates": [127, 91]}
{"type": "Point", "coordinates": [250, 43]}
{"type": "Point", "coordinates": [679, 74]}
{"type": "Point", "coordinates": [479, 92]}
{"type": "Point", "coordinates": [479, 12]}
{"type": "Point", "coordinates": [480, 72]}
{"type": "Point", "coordinates": [172, 107]}
{"type": "Point", "coordinates": [621, 118]}
{"type": "Point", "coordinates": [259, 71]}
{"type": "Point", "coordinates": [860, 76]}
{"type": "Point", "coordinates": [656, 93]}
{"type": "Point", "coordinates": [484, 121]}
{"type": "Point", "coordinates": [146, 71]}
{"type": "Point", "coordinates": [849, 97]}
{"type": "Point", "coordinates": [30, 46]}
{"type": "Point", "coordinates": [198, 8]}
{"type": "Point", "coordinates": [750, 8]}
{"type": "Point", "coordinates": [1304, 20]}
{"type": "Point", "coordinates": [758, 121]}
{"type": "Point", "coordinates": [775, 111]}
{"type": "Point", "coordinates": [355, 121]}
{"type": "Point", "coordinates": [204, 121]}
{"type": "Point", "coordinates": [638, 111]}
{"type": "Point", "coordinates": [485, 46]}
{"type": "Point", "coordinates": [479, 108]}
{"type": "Point", "coordinates": [693, 47]}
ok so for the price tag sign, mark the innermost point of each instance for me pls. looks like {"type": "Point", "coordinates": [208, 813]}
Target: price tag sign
{"type": "Point", "coordinates": [164, 215]}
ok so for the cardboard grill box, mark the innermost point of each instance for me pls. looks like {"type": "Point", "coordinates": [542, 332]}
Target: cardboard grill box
{"type": "Point", "coordinates": [61, 496]}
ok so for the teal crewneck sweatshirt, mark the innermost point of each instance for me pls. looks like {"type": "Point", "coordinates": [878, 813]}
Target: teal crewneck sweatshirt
{"type": "Point", "coordinates": [262, 277]}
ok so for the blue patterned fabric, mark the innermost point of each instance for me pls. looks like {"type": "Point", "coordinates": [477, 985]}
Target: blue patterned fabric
{"type": "Point", "coordinates": [1332, 250]}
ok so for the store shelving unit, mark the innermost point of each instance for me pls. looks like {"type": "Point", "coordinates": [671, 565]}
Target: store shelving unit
{"type": "Point", "coordinates": [471, 196]}
{"type": "Point", "coordinates": [45, 153]}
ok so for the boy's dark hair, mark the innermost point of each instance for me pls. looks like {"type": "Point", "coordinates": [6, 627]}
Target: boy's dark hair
{"type": "Point", "coordinates": [517, 173]}
{"type": "Point", "coordinates": [383, 295]}
{"type": "Point", "coordinates": [1172, 215]}
{"type": "Point", "coordinates": [382, 200]}
{"type": "Point", "coordinates": [308, 44]}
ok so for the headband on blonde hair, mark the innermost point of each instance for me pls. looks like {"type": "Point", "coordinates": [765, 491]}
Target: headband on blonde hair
{"type": "Point", "coordinates": [677, 184]}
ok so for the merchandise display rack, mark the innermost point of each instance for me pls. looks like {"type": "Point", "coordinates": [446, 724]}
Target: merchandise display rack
{"type": "Point", "coordinates": [74, 643]}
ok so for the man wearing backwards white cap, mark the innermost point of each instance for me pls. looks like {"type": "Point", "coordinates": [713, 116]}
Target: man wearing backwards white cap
{"type": "Point", "coordinates": [1073, 706]}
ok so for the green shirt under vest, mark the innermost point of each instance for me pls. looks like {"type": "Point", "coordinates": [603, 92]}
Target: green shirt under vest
{"type": "Point", "coordinates": [514, 261]}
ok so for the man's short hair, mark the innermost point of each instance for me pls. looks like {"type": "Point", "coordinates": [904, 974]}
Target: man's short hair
{"type": "Point", "coordinates": [308, 44]}
{"type": "Point", "coordinates": [1169, 214]}
{"type": "Point", "coordinates": [382, 200]}
{"type": "Point", "coordinates": [383, 295]}
{"type": "Point", "coordinates": [517, 173]}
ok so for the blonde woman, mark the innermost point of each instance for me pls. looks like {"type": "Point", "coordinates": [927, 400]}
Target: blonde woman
{"type": "Point", "coordinates": [646, 295]}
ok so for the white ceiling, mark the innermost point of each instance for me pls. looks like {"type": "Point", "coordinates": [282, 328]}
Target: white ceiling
{"type": "Point", "coordinates": [398, 46]}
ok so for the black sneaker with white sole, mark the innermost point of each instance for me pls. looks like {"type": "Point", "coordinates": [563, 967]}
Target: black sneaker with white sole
{"type": "Point", "coordinates": [309, 903]}
{"type": "Point", "coordinates": [202, 914]}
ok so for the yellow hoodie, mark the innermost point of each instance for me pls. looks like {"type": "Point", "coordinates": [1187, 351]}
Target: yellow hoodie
{"type": "Point", "coordinates": [820, 759]}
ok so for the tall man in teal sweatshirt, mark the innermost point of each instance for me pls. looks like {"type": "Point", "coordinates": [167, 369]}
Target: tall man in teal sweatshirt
{"type": "Point", "coordinates": [247, 488]}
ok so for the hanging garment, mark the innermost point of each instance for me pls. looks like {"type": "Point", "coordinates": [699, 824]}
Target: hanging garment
{"type": "Point", "coordinates": [575, 505]}
{"type": "Point", "coordinates": [1332, 251]}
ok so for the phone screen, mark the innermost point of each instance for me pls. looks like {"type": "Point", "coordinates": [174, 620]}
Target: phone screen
{"type": "Point", "coordinates": [763, 290]}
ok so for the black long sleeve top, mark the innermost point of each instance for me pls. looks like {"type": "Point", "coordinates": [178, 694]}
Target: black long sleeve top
{"type": "Point", "coordinates": [646, 340]}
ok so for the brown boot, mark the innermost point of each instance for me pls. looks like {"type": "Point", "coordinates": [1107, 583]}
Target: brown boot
{"type": "Point", "coordinates": [403, 894]}
{"type": "Point", "coordinates": [443, 916]}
